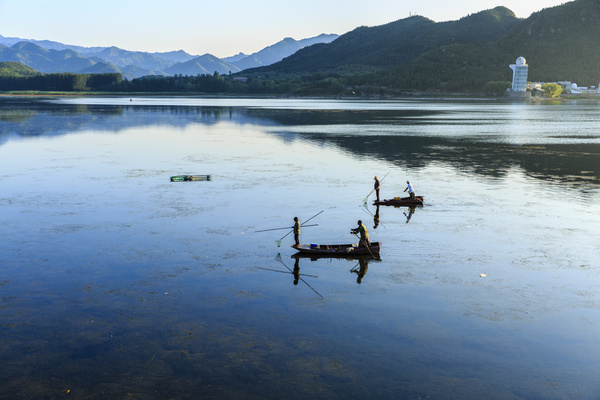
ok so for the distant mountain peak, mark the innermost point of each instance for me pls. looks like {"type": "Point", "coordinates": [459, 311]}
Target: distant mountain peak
{"type": "Point", "coordinates": [278, 51]}
{"type": "Point", "coordinates": [25, 45]}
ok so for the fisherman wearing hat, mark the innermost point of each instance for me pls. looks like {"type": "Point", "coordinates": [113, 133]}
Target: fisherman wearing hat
{"type": "Point", "coordinates": [410, 190]}
{"type": "Point", "coordinates": [376, 187]}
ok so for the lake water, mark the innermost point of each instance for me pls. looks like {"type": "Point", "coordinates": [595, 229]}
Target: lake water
{"type": "Point", "coordinates": [117, 283]}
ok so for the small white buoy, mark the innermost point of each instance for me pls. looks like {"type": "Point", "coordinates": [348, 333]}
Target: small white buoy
{"type": "Point", "coordinates": [482, 275]}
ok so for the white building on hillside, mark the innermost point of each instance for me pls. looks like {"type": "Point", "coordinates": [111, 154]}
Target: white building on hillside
{"type": "Point", "coordinates": [520, 68]}
{"type": "Point", "coordinates": [583, 89]}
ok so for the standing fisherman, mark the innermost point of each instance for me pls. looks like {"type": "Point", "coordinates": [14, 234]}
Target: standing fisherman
{"type": "Point", "coordinates": [296, 231]}
{"type": "Point", "coordinates": [410, 190]}
{"type": "Point", "coordinates": [364, 235]}
{"type": "Point", "coordinates": [377, 185]}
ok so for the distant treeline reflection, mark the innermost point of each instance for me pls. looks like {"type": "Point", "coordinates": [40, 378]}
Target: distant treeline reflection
{"type": "Point", "coordinates": [566, 163]}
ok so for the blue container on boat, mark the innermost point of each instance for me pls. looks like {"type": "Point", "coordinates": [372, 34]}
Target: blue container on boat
{"type": "Point", "coordinates": [314, 245]}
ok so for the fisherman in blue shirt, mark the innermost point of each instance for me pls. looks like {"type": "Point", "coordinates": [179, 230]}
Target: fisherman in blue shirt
{"type": "Point", "coordinates": [410, 189]}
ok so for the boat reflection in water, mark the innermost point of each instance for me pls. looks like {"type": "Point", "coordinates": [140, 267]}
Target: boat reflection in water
{"type": "Point", "coordinates": [360, 268]}
{"type": "Point", "coordinates": [408, 214]}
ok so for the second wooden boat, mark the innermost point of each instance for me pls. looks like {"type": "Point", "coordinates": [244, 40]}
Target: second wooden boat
{"type": "Point", "coordinates": [404, 201]}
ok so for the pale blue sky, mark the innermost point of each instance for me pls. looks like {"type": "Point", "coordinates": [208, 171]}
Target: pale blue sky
{"type": "Point", "coordinates": [222, 28]}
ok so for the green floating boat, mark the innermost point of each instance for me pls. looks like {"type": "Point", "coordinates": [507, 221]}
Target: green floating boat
{"type": "Point", "coordinates": [184, 178]}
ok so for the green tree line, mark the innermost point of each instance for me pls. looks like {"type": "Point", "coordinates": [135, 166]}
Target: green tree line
{"type": "Point", "coordinates": [114, 82]}
{"type": "Point", "coordinates": [64, 82]}
{"type": "Point", "coordinates": [217, 84]}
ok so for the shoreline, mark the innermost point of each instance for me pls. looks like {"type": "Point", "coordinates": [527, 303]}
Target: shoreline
{"type": "Point", "coordinates": [411, 95]}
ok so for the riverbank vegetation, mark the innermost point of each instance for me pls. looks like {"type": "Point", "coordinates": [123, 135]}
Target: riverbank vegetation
{"type": "Point", "coordinates": [15, 76]}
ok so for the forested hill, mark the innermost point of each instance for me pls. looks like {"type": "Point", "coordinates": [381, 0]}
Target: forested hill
{"type": "Point", "coordinates": [17, 70]}
{"type": "Point", "coordinates": [395, 43]}
{"type": "Point", "coordinates": [559, 43]}
{"type": "Point", "coordinates": [16, 76]}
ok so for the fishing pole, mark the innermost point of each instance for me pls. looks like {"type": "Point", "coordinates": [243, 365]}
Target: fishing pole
{"type": "Point", "coordinates": [320, 212]}
{"type": "Point", "coordinates": [367, 246]}
{"type": "Point", "coordinates": [287, 227]}
{"type": "Point", "coordinates": [278, 242]}
{"type": "Point", "coordinates": [283, 272]}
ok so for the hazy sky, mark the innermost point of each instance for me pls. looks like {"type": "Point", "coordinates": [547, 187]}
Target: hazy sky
{"type": "Point", "coordinates": [221, 28]}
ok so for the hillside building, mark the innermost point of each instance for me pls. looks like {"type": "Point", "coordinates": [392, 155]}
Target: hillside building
{"type": "Point", "coordinates": [574, 89]}
{"type": "Point", "coordinates": [568, 87]}
{"type": "Point", "coordinates": [520, 69]}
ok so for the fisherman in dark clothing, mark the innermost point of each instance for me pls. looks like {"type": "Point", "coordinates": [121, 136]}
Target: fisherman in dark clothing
{"type": "Point", "coordinates": [376, 186]}
{"type": "Point", "coordinates": [296, 231]}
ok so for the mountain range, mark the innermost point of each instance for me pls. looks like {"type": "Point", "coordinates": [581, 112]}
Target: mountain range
{"type": "Point", "coordinates": [560, 43]}
{"type": "Point", "coordinates": [48, 56]}
{"type": "Point", "coordinates": [399, 41]}
{"type": "Point", "coordinates": [414, 53]}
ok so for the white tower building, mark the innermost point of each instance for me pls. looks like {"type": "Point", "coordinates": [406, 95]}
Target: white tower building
{"type": "Point", "coordinates": [519, 82]}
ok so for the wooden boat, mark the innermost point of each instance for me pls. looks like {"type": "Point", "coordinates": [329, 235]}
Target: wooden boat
{"type": "Point", "coordinates": [397, 201]}
{"type": "Point", "coordinates": [338, 250]}
{"type": "Point", "coordinates": [182, 178]}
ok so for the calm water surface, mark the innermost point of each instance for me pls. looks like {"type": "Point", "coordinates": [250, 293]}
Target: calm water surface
{"type": "Point", "coordinates": [117, 283]}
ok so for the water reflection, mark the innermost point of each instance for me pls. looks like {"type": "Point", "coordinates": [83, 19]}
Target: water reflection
{"type": "Point", "coordinates": [28, 118]}
{"type": "Point", "coordinates": [411, 212]}
{"type": "Point", "coordinates": [363, 262]}
{"type": "Point", "coordinates": [376, 218]}
{"type": "Point", "coordinates": [95, 269]}
{"type": "Point", "coordinates": [413, 137]}
{"type": "Point", "coordinates": [360, 268]}
{"type": "Point", "coordinates": [296, 272]}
